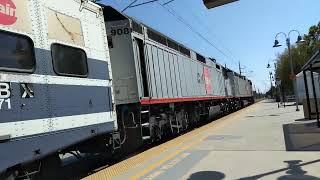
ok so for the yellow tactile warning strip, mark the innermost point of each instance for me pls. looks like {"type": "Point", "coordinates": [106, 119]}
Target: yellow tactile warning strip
{"type": "Point", "coordinates": [187, 140]}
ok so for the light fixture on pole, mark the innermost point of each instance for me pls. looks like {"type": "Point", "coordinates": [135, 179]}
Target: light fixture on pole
{"type": "Point", "coordinates": [300, 40]}
{"type": "Point", "coordinates": [277, 44]}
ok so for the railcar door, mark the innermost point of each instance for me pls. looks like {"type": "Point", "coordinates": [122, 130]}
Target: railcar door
{"type": "Point", "coordinates": [141, 60]}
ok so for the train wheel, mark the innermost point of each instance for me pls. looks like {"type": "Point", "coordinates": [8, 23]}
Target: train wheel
{"type": "Point", "coordinates": [186, 120]}
{"type": "Point", "coordinates": [154, 130]}
{"type": "Point", "coordinates": [194, 117]}
{"type": "Point", "coordinates": [129, 128]}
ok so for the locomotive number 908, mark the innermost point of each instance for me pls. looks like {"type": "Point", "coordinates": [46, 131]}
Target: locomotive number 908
{"type": "Point", "coordinates": [120, 31]}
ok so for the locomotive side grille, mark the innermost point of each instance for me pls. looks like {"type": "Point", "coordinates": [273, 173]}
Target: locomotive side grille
{"type": "Point", "coordinates": [157, 37]}
{"type": "Point", "coordinates": [173, 45]}
{"type": "Point", "coordinates": [184, 51]}
{"type": "Point", "coordinates": [200, 58]}
{"type": "Point", "coordinates": [136, 27]}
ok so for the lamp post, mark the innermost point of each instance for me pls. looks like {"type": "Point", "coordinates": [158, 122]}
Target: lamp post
{"type": "Point", "coordinates": [292, 75]}
{"type": "Point", "coordinates": [271, 84]}
{"type": "Point", "coordinates": [270, 75]}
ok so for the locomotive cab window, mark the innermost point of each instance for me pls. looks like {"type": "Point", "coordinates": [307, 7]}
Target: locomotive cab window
{"type": "Point", "coordinates": [69, 61]}
{"type": "Point", "coordinates": [16, 53]}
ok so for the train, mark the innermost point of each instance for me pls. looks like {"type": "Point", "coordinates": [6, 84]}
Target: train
{"type": "Point", "coordinates": [81, 77]}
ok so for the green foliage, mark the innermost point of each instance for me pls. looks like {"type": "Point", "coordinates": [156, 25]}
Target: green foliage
{"type": "Point", "coordinates": [301, 53]}
{"type": "Point", "coordinates": [271, 92]}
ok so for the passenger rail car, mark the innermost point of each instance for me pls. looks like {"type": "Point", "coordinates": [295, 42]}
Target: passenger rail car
{"type": "Point", "coordinates": [55, 79]}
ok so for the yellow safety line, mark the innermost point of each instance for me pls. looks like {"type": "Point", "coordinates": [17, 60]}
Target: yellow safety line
{"type": "Point", "coordinates": [174, 154]}
{"type": "Point", "coordinates": [135, 160]}
{"type": "Point", "coordinates": [167, 158]}
{"type": "Point", "coordinates": [129, 163]}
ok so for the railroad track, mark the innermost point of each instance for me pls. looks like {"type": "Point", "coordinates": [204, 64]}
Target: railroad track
{"type": "Point", "coordinates": [98, 167]}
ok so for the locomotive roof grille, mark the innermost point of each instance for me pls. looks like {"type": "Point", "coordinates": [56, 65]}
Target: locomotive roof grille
{"type": "Point", "coordinates": [228, 70]}
{"type": "Point", "coordinates": [111, 14]}
{"type": "Point", "coordinates": [184, 50]}
{"type": "Point", "coordinates": [172, 44]}
{"type": "Point", "coordinates": [200, 58]}
{"type": "Point", "coordinates": [157, 37]}
{"type": "Point", "coordinates": [152, 34]}
{"type": "Point", "coordinates": [225, 73]}
{"type": "Point", "coordinates": [136, 27]}
{"type": "Point", "coordinates": [213, 60]}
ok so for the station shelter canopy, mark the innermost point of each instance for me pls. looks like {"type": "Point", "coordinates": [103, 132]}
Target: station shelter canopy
{"type": "Point", "coordinates": [312, 66]}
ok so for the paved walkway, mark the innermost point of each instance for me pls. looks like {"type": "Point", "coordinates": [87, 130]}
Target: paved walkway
{"type": "Point", "coordinates": [259, 142]}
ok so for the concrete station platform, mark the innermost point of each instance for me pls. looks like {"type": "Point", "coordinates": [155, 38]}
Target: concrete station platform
{"type": "Point", "coordinates": [259, 142]}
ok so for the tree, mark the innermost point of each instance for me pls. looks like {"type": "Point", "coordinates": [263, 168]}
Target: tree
{"type": "Point", "coordinates": [301, 53]}
{"type": "Point", "coordinates": [271, 92]}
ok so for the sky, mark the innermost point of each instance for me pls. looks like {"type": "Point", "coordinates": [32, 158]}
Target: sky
{"type": "Point", "coordinates": [242, 31]}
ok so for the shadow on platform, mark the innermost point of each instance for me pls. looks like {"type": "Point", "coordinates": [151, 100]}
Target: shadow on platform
{"type": "Point", "coordinates": [303, 120]}
{"type": "Point", "coordinates": [302, 136]}
{"type": "Point", "coordinates": [204, 175]}
{"type": "Point", "coordinates": [294, 171]}
{"type": "Point", "coordinates": [266, 115]}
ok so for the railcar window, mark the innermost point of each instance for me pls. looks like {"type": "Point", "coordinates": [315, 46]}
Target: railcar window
{"type": "Point", "coordinates": [136, 27]}
{"type": "Point", "coordinates": [200, 58]}
{"type": "Point", "coordinates": [16, 53]}
{"type": "Point", "coordinates": [69, 61]}
{"type": "Point", "coordinates": [157, 37]}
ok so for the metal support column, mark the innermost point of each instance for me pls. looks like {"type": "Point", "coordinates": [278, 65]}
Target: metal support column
{"type": "Point", "coordinates": [283, 96]}
{"type": "Point", "coordinates": [315, 96]}
{"type": "Point", "coordinates": [307, 93]}
{"type": "Point", "coordinates": [293, 76]}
